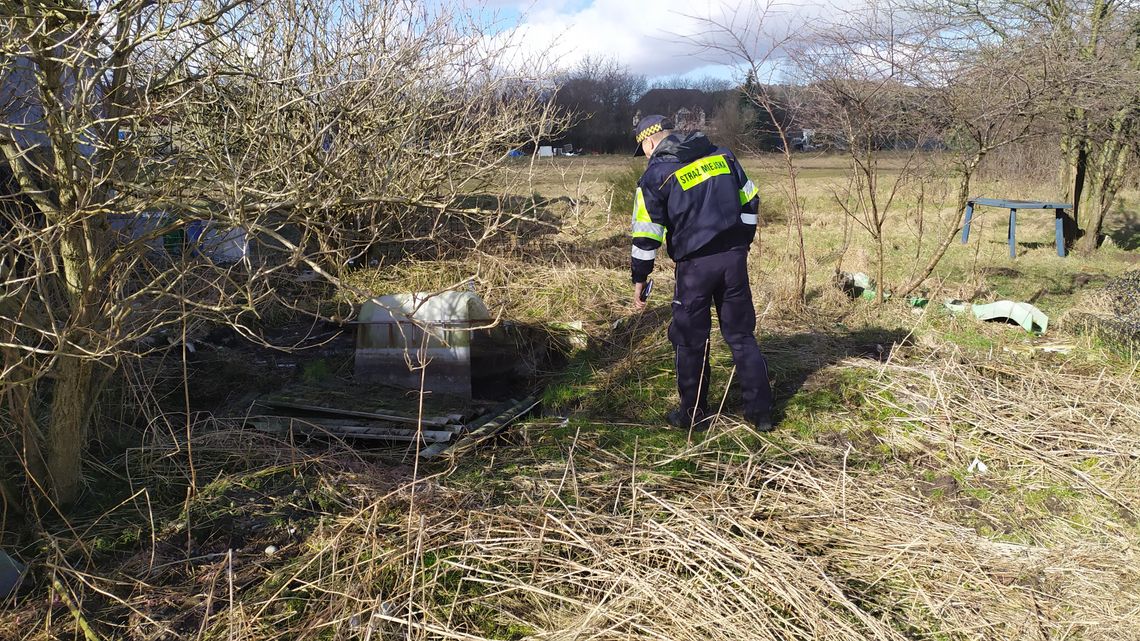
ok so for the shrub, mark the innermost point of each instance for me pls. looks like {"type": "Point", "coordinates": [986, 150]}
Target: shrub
{"type": "Point", "coordinates": [622, 185]}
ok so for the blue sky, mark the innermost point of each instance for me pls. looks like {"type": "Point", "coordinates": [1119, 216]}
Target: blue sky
{"type": "Point", "coordinates": [656, 38]}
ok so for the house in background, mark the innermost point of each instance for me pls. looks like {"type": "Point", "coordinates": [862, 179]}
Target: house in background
{"type": "Point", "coordinates": [690, 109]}
{"type": "Point", "coordinates": [690, 119]}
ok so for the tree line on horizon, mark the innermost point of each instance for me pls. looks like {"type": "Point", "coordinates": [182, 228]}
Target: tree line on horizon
{"type": "Point", "coordinates": [601, 100]}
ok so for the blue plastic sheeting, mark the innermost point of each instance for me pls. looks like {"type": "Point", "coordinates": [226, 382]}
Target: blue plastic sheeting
{"type": "Point", "coordinates": [11, 571]}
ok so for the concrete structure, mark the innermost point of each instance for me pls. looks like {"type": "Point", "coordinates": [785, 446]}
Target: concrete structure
{"type": "Point", "coordinates": [399, 335]}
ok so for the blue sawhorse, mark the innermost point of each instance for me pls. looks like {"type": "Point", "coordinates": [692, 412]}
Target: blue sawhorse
{"type": "Point", "coordinates": [1013, 206]}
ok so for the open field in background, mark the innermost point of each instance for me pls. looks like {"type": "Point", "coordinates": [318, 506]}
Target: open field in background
{"type": "Point", "coordinates": [595, 227]}
{"type": "Point", "coordinates": [933, 477]}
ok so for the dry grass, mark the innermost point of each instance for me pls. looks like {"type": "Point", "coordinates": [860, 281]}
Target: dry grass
{"type": "Point", "coordinates": [834, 534]}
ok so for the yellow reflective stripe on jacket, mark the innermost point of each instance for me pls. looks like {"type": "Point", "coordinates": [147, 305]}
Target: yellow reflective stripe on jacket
{"type": "Point", "coordinates": [643, 226]}
{"type": "Point", "coordinates": [748, 192]}
{"type": "Point", "coordinates": [640, 213]}
{"type": "Point", "coordinates": [701, 170]}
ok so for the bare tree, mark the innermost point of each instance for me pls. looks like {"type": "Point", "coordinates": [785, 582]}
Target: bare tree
{"type": "Point", "coordinates": [735, 121]}
{"type": "Point", "coordinates": [746, 33]}
{"type": "Point", "coordinates": [598, 95]}
{"type": "Point", "coordinates": [861, 104]}
{"type": "Point", "coordinates": [977, 96]}
{"type": "Point", "coordinates": [953, 88]}
{"type": "Point", "coordinates": [779, 114]}
{"type": "Point", "coordinates": [144, 135]}
{"type": "Point", "coordinates": [1095, 44]}
{"type": "Point", "coordinates": [972, 93]}
{"type": "Point", "coordinates": [705, 84]}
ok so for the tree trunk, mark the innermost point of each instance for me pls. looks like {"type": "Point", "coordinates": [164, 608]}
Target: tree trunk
{"type": "Point", "coordinates": [20, 399]}
{"type": "Point", "coordinates": [801, 262]}
{"type": "Point", "coordinates": [76, 377]}
{"type": "Point", "coordinates": [1065, 178]}
{"type": "Point", "coordinates": [1109, 171]}
{"type": "Point", "coordinates": [801, 256]}
{"type": "Point", "coordinates": [73, 400]}
{"type": "Point", "coordinates": [23, 398]}
{"type": "Point", "coordinates": [1075, 158]}
{"type": "Point", "coordinates": [1080, 171]}
{"type": "Point", "coordinates": [60, 187]}
{"type": "Point", "coordinates": [18, 393]}
{"type": "Point", "coordinates": [797, 211]}
{"type": "Point", "coordinates": [1106, 191]}
{"type": "Point", "coordinates": [880, 286]}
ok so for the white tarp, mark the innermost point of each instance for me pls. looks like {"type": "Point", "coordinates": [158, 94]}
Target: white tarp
{"type": "Point", "coordinates": [220, 244]}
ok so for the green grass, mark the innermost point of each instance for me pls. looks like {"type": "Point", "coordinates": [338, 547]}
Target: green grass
{"type": "Point", "coordinates": [623, 182]}
{"type": "Point", "coordinates": [967, 335]}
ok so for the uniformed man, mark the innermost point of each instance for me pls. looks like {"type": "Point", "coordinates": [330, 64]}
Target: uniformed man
{"type": "Point", "coordinates": [695, 198]}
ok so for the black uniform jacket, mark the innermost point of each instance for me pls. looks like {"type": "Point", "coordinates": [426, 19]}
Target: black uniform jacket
{"type": "Point", "coordinates": [694, 197]}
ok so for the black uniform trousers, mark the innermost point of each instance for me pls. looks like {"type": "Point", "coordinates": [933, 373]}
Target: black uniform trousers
{"type": "Point", "coordinates": [720, 279]}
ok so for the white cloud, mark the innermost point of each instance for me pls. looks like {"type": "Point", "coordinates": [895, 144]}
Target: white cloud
{"type": "Point", "coordinates": [651, 37]}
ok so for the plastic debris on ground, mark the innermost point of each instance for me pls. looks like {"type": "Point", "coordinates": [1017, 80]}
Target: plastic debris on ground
{"type": "Point", "coordinates": [11, 572]}
{"type": "Point", "coordinates": [1025, 315]}
{"type": "Point", "coordinates": [859, 285]}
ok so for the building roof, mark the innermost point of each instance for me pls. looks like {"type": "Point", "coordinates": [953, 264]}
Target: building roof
{"type": "Point", "coordinates": [669, 101]}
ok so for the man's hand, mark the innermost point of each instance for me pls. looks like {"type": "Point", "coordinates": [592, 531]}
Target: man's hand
{"type": "Point", "coordinates": [638, 303]}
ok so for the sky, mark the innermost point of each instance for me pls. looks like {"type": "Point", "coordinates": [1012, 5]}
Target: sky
{"type": "Point", "coordinates": [655, 38]}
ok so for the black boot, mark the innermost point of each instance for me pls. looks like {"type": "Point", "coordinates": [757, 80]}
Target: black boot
{"type": "Point", "coordinates": [761, 421]}
{"type": "Point", "coordinates": [681, 419]}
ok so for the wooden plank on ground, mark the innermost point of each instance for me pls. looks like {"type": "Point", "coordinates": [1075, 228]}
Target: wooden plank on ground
{"type": "Point", "coordinates": [347, 429]}
{"type": "Point", "coordinates": [342, 395]}
{"type": "Point", "coordinates": [433, 421]}
{"type": "Point", "coordinates": [472, 439]}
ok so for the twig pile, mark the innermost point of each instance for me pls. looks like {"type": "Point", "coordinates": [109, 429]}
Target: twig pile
{"type": "Point", "coordinates": [1111, 313]}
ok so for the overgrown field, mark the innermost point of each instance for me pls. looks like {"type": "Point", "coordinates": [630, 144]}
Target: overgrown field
{"type": "Point", "coordinates": [931, 477]}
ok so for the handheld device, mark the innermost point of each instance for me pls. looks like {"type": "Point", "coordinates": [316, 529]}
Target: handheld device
{"type": "Point", "coordinates": [645, 291]}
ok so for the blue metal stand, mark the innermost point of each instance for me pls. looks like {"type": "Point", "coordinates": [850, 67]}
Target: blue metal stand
{"type": "Point", "coordinates": [1013, 206]}
{"type": "Point", "coordinates": [969, 219]}
{"type": "Point", "coordinates": [1012, 233]}
{"type": "Point", "coordinates": [1061, 233]}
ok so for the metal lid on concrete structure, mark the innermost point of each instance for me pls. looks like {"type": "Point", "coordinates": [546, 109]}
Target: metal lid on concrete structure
{"type": "Point", "coordinates": [442, 307]}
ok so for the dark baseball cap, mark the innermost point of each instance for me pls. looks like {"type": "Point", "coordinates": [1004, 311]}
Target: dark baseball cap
{"type": "Point", "coordinates": [648, 126]}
